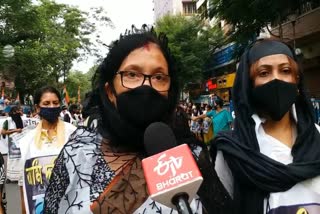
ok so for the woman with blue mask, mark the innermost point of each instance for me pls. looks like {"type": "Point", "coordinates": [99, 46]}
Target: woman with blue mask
{"type": "Point", "coordinates": [40, 147]}
{"type": "Point", "coordinates": [270, 162]}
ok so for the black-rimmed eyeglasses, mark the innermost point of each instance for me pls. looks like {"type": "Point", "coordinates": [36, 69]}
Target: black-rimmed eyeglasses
{"type": "Point", "coordinates": [133, 79]}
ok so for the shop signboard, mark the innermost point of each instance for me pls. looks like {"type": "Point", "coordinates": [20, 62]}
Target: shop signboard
{"type": "Point", "coordinates": [202, 99]}
{"type": "Point", "coordinates": [226, 81]}
{"type": "Point", "coordinates": [223, 56]}
{"type": "Point", "coordinates": [211, 84]}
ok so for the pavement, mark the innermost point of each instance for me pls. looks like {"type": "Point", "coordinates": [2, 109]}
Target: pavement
{"type": "Point", "coordinates": [13, 198]}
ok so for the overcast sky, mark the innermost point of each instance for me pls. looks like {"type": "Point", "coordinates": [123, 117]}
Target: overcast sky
{"type": "Point", "coordinates": [123, 13]}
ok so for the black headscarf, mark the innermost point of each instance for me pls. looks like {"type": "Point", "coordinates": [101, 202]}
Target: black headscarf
{"type": "Point", "coordinates": [256, 175]}
{"type": "Point", "coordinates": [16, 117]}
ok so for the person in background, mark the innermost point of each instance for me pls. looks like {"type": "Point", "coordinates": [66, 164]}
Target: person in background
{"type": "Point", "coordinates": [270, 162]}
{"type": "Point", "coordinates": [64, 111]}
{"type": "Point", "coordinates": [74, 116]}
{"type": "Point", "coordinates": [213, 98]}
{"type": "Point", "coordinates": [207, 127]}
{"type": "Point", "coordinates": [189, 109]}
{"type": "Point", "coordinates": [202, 108]}
{"type": "Point", "coordinates": [78, 115]}
{"type": "Point", "coordinates": [29, 114]}
{"type": "Point", "coordinates": [180, 124]}
{"type": "Point", "coordinates": [135, 85]}
{"type": "Point", "coordinates": [7, 106]}
{"type": "Point", "coordinates": [222, 120]}
{"type": "Point", "coordinates": [1, 104]}
{"type": "Point", "coordinates": [69, 116]}
{"type": "Point", "coordinates": [40, 147]}
{"type": "Point", "coordinates": [35, 114]}
{"type": "Point", "coordinates": [14, 124]}
{"type": "Point", "coordinates": [195, 125]}
{"type": "Point", "coordinates": [22, 113]}
{"type": "Point", "coordinates": [2, 186]}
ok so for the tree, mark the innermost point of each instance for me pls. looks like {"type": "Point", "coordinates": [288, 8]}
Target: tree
{"type": "Point", "coordinates": [84, 80]}
{"type": "Point", "coordinates": [249, 17]}
{"type": "Point", "coordinates": [47, 38]}
{"type": "Point", "coordinates": [191, 41]}
{"type": "Point", "coordinates": [75, 80]}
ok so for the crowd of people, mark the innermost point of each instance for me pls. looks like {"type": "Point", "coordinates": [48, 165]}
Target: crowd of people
{"type": "Point", "coordinates": [262, 161]}
{"type": "Point", "coordinates": [205, 120]}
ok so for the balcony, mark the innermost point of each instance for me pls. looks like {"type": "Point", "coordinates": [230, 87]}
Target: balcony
{"type": "Point", "coordinates": [300, 26]}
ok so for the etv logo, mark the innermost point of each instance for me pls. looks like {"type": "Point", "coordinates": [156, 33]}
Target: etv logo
{"type": "Point", "coordinates": [164, 165]}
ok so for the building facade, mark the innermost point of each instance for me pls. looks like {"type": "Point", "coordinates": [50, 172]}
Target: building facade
{"type": "Point", "coordinates": [302, 31]}
{"type": "Point", "coordinates": [173, 7]}
{"type": "Point", "coordinates": [221, 67]}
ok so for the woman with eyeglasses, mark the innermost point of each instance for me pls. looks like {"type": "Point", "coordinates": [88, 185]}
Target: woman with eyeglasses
{"type": "Point", "coordinates": [99, 170]}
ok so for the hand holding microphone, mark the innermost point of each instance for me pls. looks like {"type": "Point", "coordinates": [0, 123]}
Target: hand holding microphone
{"type": "Point", "coordinates": [171, 172]}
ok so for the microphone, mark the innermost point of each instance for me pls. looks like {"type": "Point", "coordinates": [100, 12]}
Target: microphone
{"type": "Point", "coordinates": [171, 173]}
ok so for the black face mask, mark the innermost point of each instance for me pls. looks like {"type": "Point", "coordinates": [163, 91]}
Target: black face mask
{"type": "Point", "coordinates": [142, 106]}
{"type": "Point", "coordinates": [50, 114]}
{"type": "Point", "coordinates": [137, 106]}
{"type": "Point", "coordinates": [275, 98]}
{"type": "Point", "coordinates": [16, 117]}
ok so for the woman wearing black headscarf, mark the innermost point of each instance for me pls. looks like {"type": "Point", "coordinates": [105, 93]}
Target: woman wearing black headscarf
{"type": "Point", "coordinates": [99, 170]}
{"type": "Point", "coordinates": [270, 163]}
{"type": "Point", "coordinates": [13, 124]}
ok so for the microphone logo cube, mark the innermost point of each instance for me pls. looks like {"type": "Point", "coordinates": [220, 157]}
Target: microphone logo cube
{"type": "Point", "coordinates": [168, 163]}
{"type": "Point", "coordinates": [170, 172]}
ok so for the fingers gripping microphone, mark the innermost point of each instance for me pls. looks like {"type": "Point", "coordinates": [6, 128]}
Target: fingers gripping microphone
{"type": "Point", "coordinates": [171, 173]}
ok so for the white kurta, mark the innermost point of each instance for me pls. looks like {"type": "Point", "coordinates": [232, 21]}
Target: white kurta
{"type": "Point", "coordinates": [304, 197]}
{"type": "Point", "coordinates": [38, 164]}
{"type": "Point", "coordinates": [13, 167]}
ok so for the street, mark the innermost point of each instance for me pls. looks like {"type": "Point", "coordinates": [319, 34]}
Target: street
{"type": "Point", "coordinates": [13, 198]}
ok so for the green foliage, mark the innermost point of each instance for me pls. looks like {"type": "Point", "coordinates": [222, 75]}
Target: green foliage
{"type": "Point", "coordinates": [47, 38]}
{"type": "Point", "coordinates": [76, 79]}
{"type": "Point", "coordinates": [191, 41]}
{"type": "Point", "coordinates": [248, 17]}
{"type": "Point", "coordinates": [84, 80]}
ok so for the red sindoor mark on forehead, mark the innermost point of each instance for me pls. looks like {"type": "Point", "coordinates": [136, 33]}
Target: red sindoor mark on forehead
{"type": "Point", "coordinates": [146, 46]}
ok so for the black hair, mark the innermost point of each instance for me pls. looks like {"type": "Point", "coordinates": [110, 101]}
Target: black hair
{"type": "Point", "coordinates": [13, 110]}
{"type": "Point", "coordinates": [43, 90]}
{"type": "Point", "coordinates": [97, 104]}
{"type": "Point", "coordinates": [73, 107]}
{"type": "Point", "coordinates": [219, 102]}
{"type": "Point", "coordinates": [16, 118]}
{"type": "Point", "coordinates": [119, 50]}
